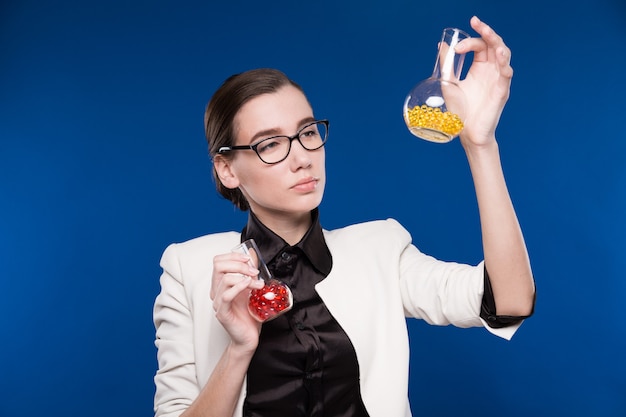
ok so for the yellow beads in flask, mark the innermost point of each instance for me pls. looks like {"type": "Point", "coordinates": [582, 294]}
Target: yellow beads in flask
{"type": "Point", "coordinates": [432, 124]}
{"type": "Point", "coordinates": [435, 108]}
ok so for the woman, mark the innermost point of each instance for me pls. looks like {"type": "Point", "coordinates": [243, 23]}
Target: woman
{"type": "Point", "coordinates": [343, 348]}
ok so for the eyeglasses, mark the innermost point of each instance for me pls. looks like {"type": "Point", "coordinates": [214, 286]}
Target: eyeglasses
{"type": "Point", "coordinates": [275, 149]}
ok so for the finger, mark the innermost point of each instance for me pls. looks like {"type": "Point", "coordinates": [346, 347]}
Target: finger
{"type": "Point", "coordinates": [491, 38]}
{"type": "Point", "coordinates": [229, 288]}
{"type": "Point", "coordinates": [241, 284]}
{"type": "Point", "coordinates": [489, 47]}
{"type": "Point", "coordinates": [485, 46]}
{"type": "Point", "coordinates": [233, 263]}
{"type": "Point", "coordinates": [228, 279]}
{"type": "Point", "coordinates": [486, 32]}
{"type": "Point", "coordinates": [503, 56]}
{"type": "Point", "coordinates": [231, 280]}
{"type": "Point", "coordinates": [476, 45]}
{"type": "Point", "coordinates": [230, 257]}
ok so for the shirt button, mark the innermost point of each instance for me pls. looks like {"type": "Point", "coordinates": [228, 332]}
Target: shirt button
{"type": "Point", "coordinates": [308, 375]}
{"type": "Point", "coordinates": [285, 256]}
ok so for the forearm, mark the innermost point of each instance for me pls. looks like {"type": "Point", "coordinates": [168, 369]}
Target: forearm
{"type": "Point", "coordinates": [219, 396]}
{"type": "Point", "coordinates": [506, 256]}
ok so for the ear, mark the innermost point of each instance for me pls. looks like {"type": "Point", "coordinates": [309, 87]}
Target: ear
{"type": "Point", "coordinates": [225, 172]}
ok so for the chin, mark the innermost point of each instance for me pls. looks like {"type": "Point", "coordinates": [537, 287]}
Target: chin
{"type": "Point", "coordinates": [310, 204]}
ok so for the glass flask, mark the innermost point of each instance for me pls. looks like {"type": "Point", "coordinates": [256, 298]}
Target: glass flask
{"type": "Point", "coordinates": [434, 109]}
{"type": "Point", "coordinates": [275, 297]}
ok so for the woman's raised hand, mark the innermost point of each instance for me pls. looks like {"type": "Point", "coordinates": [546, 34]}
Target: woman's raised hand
{"type": "Point", "coordinates": [487, 84]}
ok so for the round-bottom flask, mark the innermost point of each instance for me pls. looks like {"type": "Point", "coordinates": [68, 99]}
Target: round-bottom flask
{"type": "Point", "coordinates": [275, 298]}
{"type": "Point", "coordinates": [434, 109]}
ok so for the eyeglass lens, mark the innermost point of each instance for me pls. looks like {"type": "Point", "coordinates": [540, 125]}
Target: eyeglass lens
{"type": "Point", "coordinates": [276, 148]}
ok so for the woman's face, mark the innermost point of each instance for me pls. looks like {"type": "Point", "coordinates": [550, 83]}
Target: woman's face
{"type": "Point", "coordinates": [292, 187]}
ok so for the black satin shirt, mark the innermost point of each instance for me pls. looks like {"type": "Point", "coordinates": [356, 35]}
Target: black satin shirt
{"type": "Point", "coordinates": [305, 365]}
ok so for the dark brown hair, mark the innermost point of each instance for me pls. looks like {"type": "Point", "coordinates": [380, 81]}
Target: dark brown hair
{"type": "Point", "coordinates": [220, 114]}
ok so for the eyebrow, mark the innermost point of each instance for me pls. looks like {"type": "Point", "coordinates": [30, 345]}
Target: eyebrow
{"type": "Point", "coordinates": [277, 132]}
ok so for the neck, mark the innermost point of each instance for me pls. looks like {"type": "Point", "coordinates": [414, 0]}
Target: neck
{"type": "Point", "coordinates": [291, 228]}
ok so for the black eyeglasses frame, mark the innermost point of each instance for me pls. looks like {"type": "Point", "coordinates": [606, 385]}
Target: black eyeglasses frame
{"type": "Point", "coordinates": [325, 122]}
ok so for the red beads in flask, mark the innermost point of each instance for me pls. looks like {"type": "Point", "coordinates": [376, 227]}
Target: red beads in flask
{"type": "Point", "coordinates": [270, 301]}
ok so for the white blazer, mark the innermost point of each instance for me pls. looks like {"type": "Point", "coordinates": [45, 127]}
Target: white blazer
{"type": "Point", "coordinates": [378, 278]}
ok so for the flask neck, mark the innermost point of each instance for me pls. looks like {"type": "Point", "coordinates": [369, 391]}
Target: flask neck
{"type": "Point", "coordinates": [449, 63]}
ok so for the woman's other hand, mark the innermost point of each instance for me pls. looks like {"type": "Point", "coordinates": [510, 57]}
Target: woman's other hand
{"type": "Point", "coordinates": [232, 281]}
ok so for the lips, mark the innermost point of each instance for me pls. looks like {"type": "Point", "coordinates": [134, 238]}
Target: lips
{"type": "Point", "coordinates": [306, 184]}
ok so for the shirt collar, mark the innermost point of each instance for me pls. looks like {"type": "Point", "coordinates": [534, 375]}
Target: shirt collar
{"type": "Point", "coordinates": [313, 244]}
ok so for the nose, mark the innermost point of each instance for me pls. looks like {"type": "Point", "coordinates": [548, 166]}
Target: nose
{"type": "Point", "coordinates": [300, 155]}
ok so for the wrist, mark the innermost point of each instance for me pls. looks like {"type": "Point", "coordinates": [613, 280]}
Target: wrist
{"type": "Point", "coordinates": [479, 149]}
{"type": "Point", "coordinates": [239, 351]}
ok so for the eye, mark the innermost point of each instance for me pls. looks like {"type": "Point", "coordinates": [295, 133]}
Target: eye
{"type": "Point", "coordinates": [269, 145]}
{"type": "Point", "coordinates": [309, 132]}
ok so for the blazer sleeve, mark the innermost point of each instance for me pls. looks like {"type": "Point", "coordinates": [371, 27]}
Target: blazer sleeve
{"type": "Point", "coordinates": [441, 292]}
{"type": "Point", "coordinates": [175, 380]}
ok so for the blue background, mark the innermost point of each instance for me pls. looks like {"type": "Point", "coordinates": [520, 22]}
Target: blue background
{"type": "Point", "coordinates": [103, 163]}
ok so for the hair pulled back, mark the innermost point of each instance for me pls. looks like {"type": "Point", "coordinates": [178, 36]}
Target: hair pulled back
{"type": "Point", "coordinates": [220, 114]}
